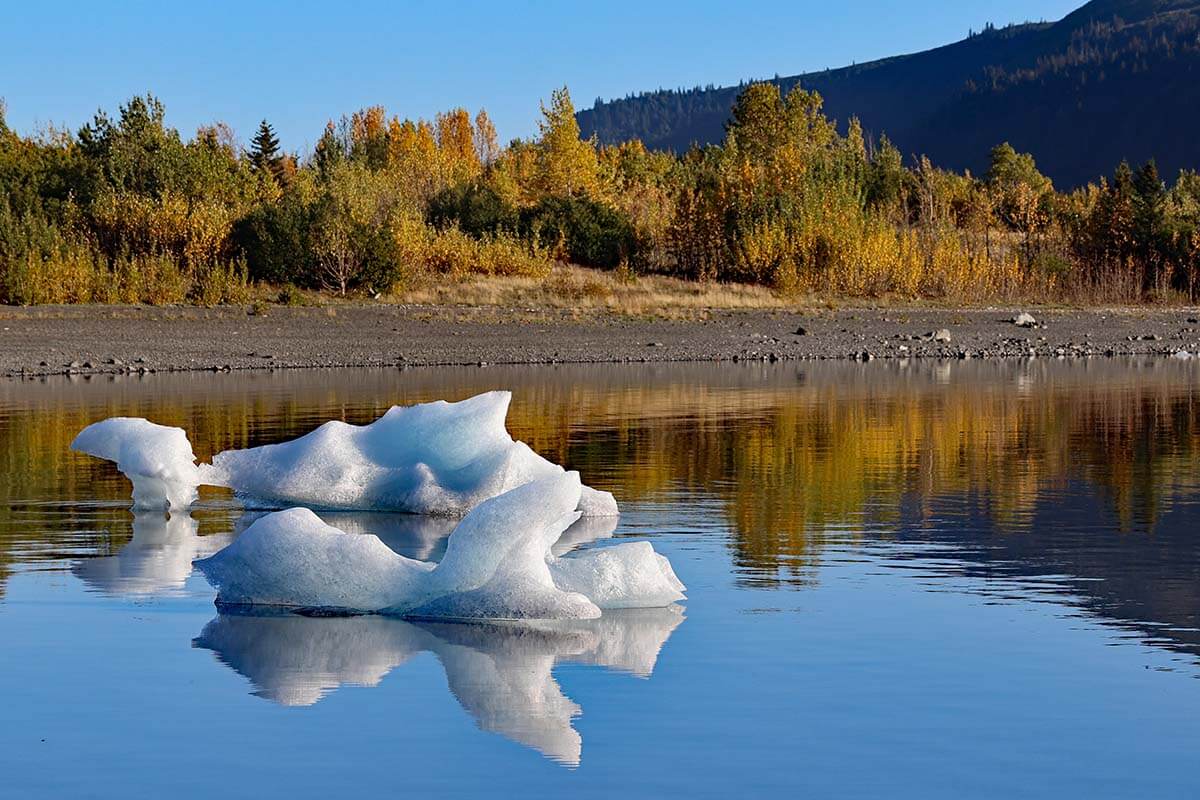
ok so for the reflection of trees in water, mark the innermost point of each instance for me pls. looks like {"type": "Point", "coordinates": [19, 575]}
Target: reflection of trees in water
{"type": "Point", "coordinates": [501, 673]}
{"type": "Point", "coordinates": [824, 461]}
{"type": "Point", "coordinates": [798, 455]}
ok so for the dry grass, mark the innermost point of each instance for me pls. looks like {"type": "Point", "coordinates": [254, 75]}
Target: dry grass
{"type": "Point", "coordinates": [572, 287]}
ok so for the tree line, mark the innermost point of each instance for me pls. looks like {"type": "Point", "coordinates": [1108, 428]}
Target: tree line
{"type": "Point", "coordinates": [126, 210]}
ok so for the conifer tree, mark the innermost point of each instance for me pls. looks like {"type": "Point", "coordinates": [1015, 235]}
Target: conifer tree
{"type": "Point", "coordinates": [264, 152]}
{"type": "Point", "coordinates": [329, 151]}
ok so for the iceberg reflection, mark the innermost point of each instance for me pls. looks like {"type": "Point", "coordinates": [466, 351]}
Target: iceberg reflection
{"type": "Point", "coordinates": [501, 673]}
{"type": "Point", "coordinates": [158, 559]}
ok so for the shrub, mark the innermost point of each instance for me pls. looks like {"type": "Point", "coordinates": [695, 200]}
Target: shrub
{"type": "Point", "coordinates": [273, 240]}
{"type": "Point", "coordinates": [423, 249]}
{"type": "Point", "coordinates": [474, 208]}
{"type": "Point", "coordinates": [221, 284]}
{"type": "Point", "coordinates": [587, 232]}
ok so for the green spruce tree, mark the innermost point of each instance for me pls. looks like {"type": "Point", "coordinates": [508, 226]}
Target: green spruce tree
{"type": "Point", "coordinates": [264, 153]}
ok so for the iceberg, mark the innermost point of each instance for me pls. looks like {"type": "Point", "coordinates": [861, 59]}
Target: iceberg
{"type": "Point", "coordinates": [438, 458]}
{"type": "Point", "coordinates": [499, 564]}
{"type": "Point", "coordinates": [157, 459]}
{"type": "Point", "coordinates": [501, 673]}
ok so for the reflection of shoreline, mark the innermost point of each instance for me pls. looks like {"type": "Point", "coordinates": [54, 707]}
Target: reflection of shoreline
{"type": "Point", "coordinates": [158, 559]}
{"type": "Point", "coordinates": [790, 457]}
{"type": "Point", "coordinates": [501, 673]}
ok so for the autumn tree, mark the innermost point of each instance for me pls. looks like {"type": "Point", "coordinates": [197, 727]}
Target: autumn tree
{"type": "Point", "coordinates": [757, 124]}
{"type": "Point", "coordinates": [414, 157]}
{"type": "Point", "coordinates": [1020, 191]}
{"type": "Point", "coordinates": [567, 165]}
{"type": "Point", "coordinates": [886, 181]}
{"type": "Point", "coordinates": [456, 146]}
{"type": "Point", "coordinates": [369, 137]}
{"type": "Point", "coordinates": [487, 149]}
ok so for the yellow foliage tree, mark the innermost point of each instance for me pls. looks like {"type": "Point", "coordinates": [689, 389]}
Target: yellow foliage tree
{"type": "Point", "coordinates": [456, 146]}
{"type": "Point", "coordinates": [567, 164]}
{"type": "Point", "coordinates": [487, 147]}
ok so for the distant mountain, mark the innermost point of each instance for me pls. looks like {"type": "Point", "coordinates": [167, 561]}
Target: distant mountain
{"type": "Point", "coordinates": [1113, 80]}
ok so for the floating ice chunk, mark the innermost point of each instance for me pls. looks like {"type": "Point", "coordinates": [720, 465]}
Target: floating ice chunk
{"type": "Point", "coordinates": [157, 559]}
{"type": "Point", "coordinates": [158, 459]}
{"type": "Point", "coordinates": [625, 576]}
{"type": "Point", "coordinates": [436, 458]}
{"type": "Point", "coordinates": [433, 458]}
{"type": "Point", "coordinates": [292, 559]}
{"type": "Point", "coordinates": [501, 673]}
{"type": "Point", "coordinates": [498, 565]}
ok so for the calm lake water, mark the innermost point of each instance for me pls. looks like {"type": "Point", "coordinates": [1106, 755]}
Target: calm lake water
{"type": "Point", "coordinates": [928, 580]}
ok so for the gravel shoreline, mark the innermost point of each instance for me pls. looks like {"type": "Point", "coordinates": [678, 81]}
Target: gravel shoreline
{"type": "Point", "coordinates": [122, 339]}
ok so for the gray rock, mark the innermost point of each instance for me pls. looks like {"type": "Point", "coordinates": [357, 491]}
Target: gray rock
{"type": "Point", "coordinates": [1024, 320]}
{"type": "Point", "coordinates": [942, 335]}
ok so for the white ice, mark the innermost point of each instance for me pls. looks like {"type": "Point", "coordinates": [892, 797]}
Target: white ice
{"type": "Point", "coordinates": [436, 458]}
{"type": "Point", "coordinates": [502, 673]}
{"type": "Point", "coordinates": [499, 564]}
{"type": "Point", "coordinates": [157, 459]}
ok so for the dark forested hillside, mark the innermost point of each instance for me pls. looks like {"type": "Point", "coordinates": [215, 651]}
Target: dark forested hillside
{"type": "Point", "coordinates": [1116, 79]}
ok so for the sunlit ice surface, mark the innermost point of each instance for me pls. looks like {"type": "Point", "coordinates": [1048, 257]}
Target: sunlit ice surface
{"type": "Point", "coordinates": [966, 579]}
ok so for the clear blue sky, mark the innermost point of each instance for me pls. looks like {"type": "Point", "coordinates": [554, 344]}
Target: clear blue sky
{"type": "Point", "coordinates": [301, 63]}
